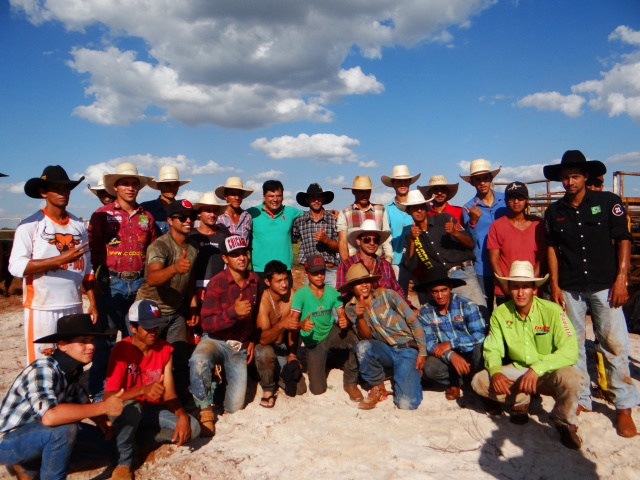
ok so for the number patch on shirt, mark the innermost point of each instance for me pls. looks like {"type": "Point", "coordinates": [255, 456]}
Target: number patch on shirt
{"type": "Point", "coordinates": [617, 210]}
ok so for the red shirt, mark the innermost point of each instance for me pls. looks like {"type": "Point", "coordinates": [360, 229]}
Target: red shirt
{"type": "Point", "coordinates": [448, 208]}
{"type": "Point", "coordinates": [119, 240]}
{"type": "Point", "coordinates": [129, 369]}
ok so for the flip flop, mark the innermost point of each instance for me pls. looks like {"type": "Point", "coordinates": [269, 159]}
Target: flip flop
{"type": "Point", "coordinates": [269, 401]}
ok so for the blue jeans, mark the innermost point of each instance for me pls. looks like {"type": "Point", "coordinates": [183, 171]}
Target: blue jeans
{"type": "Point", "coordinates": [209, 353]}
{"type": "Point", "coordinates": [47, 450]}
{"type": "Point", "coordinates": [113, 305]}
{"type": "Point", "coordinates": [611, 331]}
{"type": "Point", "coordinates": [374, 356]}
{"type": "Point", "coordinates": [472, 290]}
{"type": "Point", "coordinates": [157, 418]}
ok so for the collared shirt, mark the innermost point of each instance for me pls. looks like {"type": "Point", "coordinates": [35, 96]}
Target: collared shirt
{"type": "Point", "coordinates": [462, 325]}
{"type": "Point", "coordinates": [399, 224]}
{"type": "Point", "coordinates": [391, 320]}
{"type": "Point", "coordinates": [118, 240]}
{"type": "Point", "coordinates": [243, 228]}
{"type": "Point", "coordinates": [448, 208]}
{"type": "Point", "coordinates": [480, 230]}
{"type": "Point", "coordinates": [352, 217]}
{"type": "Point", "coordinates": [382, 268]}
{"type": "Point", "coordinates": [40, 387]}
{"type": "Point", "coordinates": [218, 314]}
{"type": "Point", "coordinates": [585, 238]}
{"type": "Point", "coordinates": [436, 247]}
{"type": "Point", "coordinates": [544, 341]}
{"type": "Point", "coordinates": [159, 214]}
{"type": "Point", "coordinates": [304, 227]}
{"type": "Point", "coordinates": [271, 236]}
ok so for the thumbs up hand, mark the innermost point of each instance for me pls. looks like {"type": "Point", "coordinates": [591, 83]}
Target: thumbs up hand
{"type": "Point", "coordinates": [320, 236]}
{"type": "Point", "coordinates": [242, 307]}
{"type": "Point", "coordinates": [183, 265]}
{"type": "Point", "coordinates": [450, 227]}
{"type": "Point", "coordinates": [415, 230]}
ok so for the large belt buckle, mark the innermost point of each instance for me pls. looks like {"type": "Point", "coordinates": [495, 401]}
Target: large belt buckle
{"type": "Point", "coordinates": [129, 276]}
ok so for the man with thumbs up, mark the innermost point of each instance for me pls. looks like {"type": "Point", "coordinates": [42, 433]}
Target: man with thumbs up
{"type": "Point", "coordinates": [317, 231]}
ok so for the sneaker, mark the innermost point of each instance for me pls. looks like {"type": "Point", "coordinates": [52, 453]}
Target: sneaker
{"type": "Point", "coordinates": [569, 436]}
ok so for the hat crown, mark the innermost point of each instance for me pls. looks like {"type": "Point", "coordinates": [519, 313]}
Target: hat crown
{"type": "Point", "coordinates": [400, 171]}
{"type": "Point", "coordinates": [522, 269]}
{"type": "Point", "coordinates": [101, 181]}
{"type": "Point", "coordinates": [356, 271]}
{"type": "Point", "coordinates": [209, 198]}
{"type": "Point", "coordinates": [362, 182]}
{"type": "Point", "coordinates": [573, 156]}
{"type": "Point", "coordinates": [415, 197]}
{"type": "Point", "coordinates": [53, 173]}
{"type": "Point", "coordinates": [438, 180]}
{"type": "Point", "coordinates": [478, 166]}
{"type": "Point", "coordinates": [369, 224]}
{"type": "Point", "coordinates": [126, 168]}
{"type": "Point", "coordinates": [168, 173]}
{"type": "Point", "coordinates": [234, 242]}
{"type": "Point", "coordinates": [233, 182]}
{"type": "Point", "coordinates": [314, 189]}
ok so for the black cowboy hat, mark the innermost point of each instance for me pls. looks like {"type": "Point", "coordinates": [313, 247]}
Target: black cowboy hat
{"type": "Point", "coordinates": [437, 275]}
{"type": "Point", "coordinates": [72, 326]}
{"type": "Point", "coordinates": [3, 175]}
{"type": "Point", "coordinates": [51, 174]}
{"type": "Point", "coordinates": [574, 159]}
{"type": "Point", "coordinates": [314, 189]}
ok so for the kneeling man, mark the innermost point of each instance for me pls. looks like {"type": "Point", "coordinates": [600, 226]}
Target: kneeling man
{"type": "Point", "coordinates": [540, 341]}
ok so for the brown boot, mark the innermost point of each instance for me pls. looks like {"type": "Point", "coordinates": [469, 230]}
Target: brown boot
{"type": "Point", "coordinates": [626, 428]}
{"type": "Point", "coordinates": [355, 395]}
{"type": "Point", "coordinates": [376, 394]}
{"type": "Point", "coordinates": [519, 414]}
{"type": "Point", "coordinates": [122, 473]}
{"type": "Point", "coordinates": [207, 426]}
{"type": "Point", "coordinates": [569, 436]}
{"type": "Point", "coordinates": [452, 393]}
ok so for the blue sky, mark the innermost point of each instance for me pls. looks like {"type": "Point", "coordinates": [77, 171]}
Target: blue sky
{"type": "Point", "coordinates": [313, 91]}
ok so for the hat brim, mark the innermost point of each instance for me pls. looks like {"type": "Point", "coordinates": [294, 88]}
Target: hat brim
{"type": "Point", "coordinates": [221, 188]}
{"type": "Point", "coordinates": [536, 281]}
{"type": "Point", "coordinates": [356, 232]}
{"type": "Point", "coordinates": [55, 337]}
{"type": "Point", "coordinates": [221, 207]}
{"type": "Point", "coordinates": [454, 282]}
{"type": "Point", "coordinates": [403, 206]}
{"type": "Point", "coordinates": [451, 187]}
{"type": "Point", "coordinates": [493, 173]}
{"type": "Point", "coordinates": [3, 175]}
{"type": "Point", "coordinates": [348, 285]}
{"type": "Point", "coordinates": [33, 185]}
{"type": "Point", "coordinates": [388, 181]}
{"type": "Point", "coordinates": [111, 179]}
{"type": "Point", "coordinates": [154, 183]}
{"type": "Point", "coordinates": [301, 198]}
{"type": "Point", "coordinates": [355, 188]}
{"type": "Point", "coordinates": [595, 168]}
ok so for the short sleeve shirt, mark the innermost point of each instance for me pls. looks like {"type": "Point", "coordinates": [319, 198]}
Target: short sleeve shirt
{"type": "Point", "coordinates": [271, 236]}
{"type": "Point", "coordinates": [209, 261]}
{"type": "Point", "coordinates": [306, 303]}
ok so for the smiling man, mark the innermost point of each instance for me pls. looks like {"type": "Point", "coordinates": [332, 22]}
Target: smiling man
{"type": "Point", "coordinates": [168, 183]}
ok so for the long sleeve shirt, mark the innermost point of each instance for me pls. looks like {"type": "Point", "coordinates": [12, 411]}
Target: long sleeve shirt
{"type": "Point", "coordinates": [352, 217]}
{"type": "Point", "coordinates": [382, 268]}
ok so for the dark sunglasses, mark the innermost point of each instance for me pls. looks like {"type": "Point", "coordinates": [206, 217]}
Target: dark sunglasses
{"type": "Point", "coordinates": [374, 239]}
{"type": "Point", "coordinates": [184, 216]}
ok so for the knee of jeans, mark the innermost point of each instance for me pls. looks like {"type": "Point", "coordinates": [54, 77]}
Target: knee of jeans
{"type": "Point", "coordinates": [131, 412]}
{"type": "Point", "coordinates": [64, 434]}
{"type": "Point", "coordinates": [263, 353]}
{"type": "Point", "coordinates": [404, 402]}
{"type": "Point", "coordinates": [362, 348]}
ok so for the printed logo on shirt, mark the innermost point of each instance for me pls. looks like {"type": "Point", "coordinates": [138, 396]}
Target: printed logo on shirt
{"type": "Point", "coordinates": [596, 209]}
{"type": "Point", "coordinates": [617, 210]}
{"type": "Point", "coordinates": [113, 218]}
{"type": "Point", "coordinates": [565, 325]}
{"type": "Point", "coordinates": [541, 329]}
{"type": "Point", "coordinates": [458, 318]}
{"type": "Point", "coordinates": [509, 323]}
{"type": "Point", "coordinates": [144, 220]}
{"type": "Point", "coordinates": [62, 241]}
{"type": "Point", "coordinates": [114, 242]}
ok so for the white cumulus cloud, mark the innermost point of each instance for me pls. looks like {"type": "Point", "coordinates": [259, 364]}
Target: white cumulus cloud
{"type": "Point", "coordinates": [570, 105]}
{"type": "Point", "coordinates": [339, 180]}
{"type": "Point", "coordinates": [629, 158]}
{"type": "Point", "coordinates": [269, 174]}
{"type": "Point", "coordinates": [324, 147]}
{"type": "Point", "coordinates": [370, 164]}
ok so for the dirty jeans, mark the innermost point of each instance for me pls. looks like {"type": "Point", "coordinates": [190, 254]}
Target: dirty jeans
{"type": "Point", "coordinates": [317, 359]}
{"type": "Point", "coordinates": [209, 353]}
{"type": "Point", "coordinates": [563, 385]}
{"type": "Point", "coordinates": [269, 362]}
{"type": "Point", "coordinates": [440, 370]}
{"type": "Point", "coordinates": [611, 331]}
{"type": "Point", "coordinates": [374, 356]}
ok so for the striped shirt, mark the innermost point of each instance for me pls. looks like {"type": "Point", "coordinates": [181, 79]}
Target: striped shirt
{"type": "Point", "coordinates": [382, 268]}
{"type": "Point", "coordinates": [303, 230]}
{"type": "Point", "coordinates": [352, 217]}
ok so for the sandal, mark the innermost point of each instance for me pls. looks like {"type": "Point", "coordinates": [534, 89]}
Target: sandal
{"type": "Point", "coordinates": [268, 400]}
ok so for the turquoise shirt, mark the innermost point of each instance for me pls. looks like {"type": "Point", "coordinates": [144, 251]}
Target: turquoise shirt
{"type": "Point", "coordinates": [271, 236]}
{"type": "Point", "coordinates": [399, 224]}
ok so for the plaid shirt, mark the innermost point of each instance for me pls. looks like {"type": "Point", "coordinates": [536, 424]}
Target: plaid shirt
{"type": "Point", "coordinates": [243, 228]}
{"type": "Point", "coordinates": [304, 227]}
{"type": "Point", "coordinates": [352, 217]}
{"type": "Point", "coordinates": [382, 268]}
{"type": "Point", "coordinates": [391, 320]}
{"type": "Point", "coordinates": [462, 326]}
{"type": "Point", "coordinates": [39, 387]}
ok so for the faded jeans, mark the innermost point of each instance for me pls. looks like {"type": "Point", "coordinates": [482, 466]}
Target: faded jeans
{"type": "Point", "coordinates": [611, 331]}
{"type": "Point", "coordinates": [269, 362]}
{"type": "Point", "coordinates": [209, 353]}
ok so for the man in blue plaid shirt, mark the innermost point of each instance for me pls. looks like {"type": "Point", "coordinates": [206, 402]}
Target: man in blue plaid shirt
{"type": "Point", "coordinates": [455, 332]}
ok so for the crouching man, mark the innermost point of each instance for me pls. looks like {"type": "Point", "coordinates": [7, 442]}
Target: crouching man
{"type": "Point", "coordinates": [142, 365]}
{"type": "Point", "coordinates": [392, 337]}
{"type": "Point", "coordinates": [540, 341]}
{"type": "Point", "coordinates": [40, 417]}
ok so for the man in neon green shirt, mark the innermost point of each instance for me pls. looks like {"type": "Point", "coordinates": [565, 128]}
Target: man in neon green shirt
{"type": "Point", "coordinates": [539, 339]}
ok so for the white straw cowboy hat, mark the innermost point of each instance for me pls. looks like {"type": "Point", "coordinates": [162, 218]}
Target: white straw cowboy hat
{"type": "Point", "coordinates": [234, 183]}
{"type": "Point", "coordinates": [480, 167]}
{"type": "Point", "coordinates": [399, 172]}
{"type": "Point", "coordinates": [124, 170]}
{"type": "Point", "coordinates": [414, 197]}
{"type": "Point", "coordinates": [361, 182]}
{"type": "Point", "coordinates": [167, 174]}
{"type": "Point", "coordinates": [208, 199]}
{"type": "Point", "coordinates": [368, 226]}
{"type": "Point", "coordinates": [100, 185]}
{"type": "Point", "coordinates": [439, 181]}
{"type": "Point", "coordinates": [357, 273]}
{"type": "Point", "coordinates": [522, 271]}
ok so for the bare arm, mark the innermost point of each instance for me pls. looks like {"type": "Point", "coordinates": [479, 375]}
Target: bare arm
{"type": "Point", "coordinates": [53, 263]}
{"type": "Point", "coordinates": [556, 292]}
{"type": "Point", "coordinates": [72, 412]}
{"type": "Point", "coordinates": [618, 294]}
{"type": "Point", "coordinates": [343, 248]}
{"type": "Point", "coordinates": [494, 258]}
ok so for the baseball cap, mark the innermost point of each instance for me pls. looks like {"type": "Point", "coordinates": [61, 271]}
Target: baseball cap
{"type": "Point", "coordinates": [234, 242]}
{"type": "Point", "coordinates": [180, 206]}
{"type": "Point", "coordinates": [315, 263]}
{"type": "Point", "coordinates": [146, 313]}
{"type": "Point", "coordinates": [516, 188]}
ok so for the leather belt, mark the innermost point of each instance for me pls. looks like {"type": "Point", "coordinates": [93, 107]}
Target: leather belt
{"type": "Point", "coordinates": [127, 276]}
{"type": "Point", "coordinates": [330, 265]}
{"type": "Point", "coordinates": [467, 263]}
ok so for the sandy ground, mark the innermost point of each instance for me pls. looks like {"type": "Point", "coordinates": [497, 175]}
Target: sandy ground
{"type": "Point", "coordinates": [326, 436]}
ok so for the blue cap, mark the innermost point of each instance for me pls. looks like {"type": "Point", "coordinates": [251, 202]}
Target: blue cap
{"type": "Point", "coordinates": [146, 313]}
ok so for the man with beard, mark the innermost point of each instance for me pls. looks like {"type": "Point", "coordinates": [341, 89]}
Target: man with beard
{"type": "Point", "coordinates": [440, 192]}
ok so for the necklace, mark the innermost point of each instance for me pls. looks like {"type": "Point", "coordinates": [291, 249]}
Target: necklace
{"type": "Point", "coordinates": [273, 304]}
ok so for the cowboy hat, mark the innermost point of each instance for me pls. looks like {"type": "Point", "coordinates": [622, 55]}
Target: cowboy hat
{"type": "Point", "coordinates": [234, 183]}
{"type": "Point", "coordinates": [574, 159]}
{"type": "Point", "coordinates": [357, 273]}
{"type": "Point", "coordinates": [399, 172]}
{"type": "Point", "coordinates": [522, 271]}
{"type": "Point", "coordinates": [439, 181]}
{"type": "Point", "coordinates": [71, 326]}
{"type": "Point", "coordinates": [480, 167]}
{"type": "Point", "coordinates": [124, 170]}
{"type": "Point", "coordinates": [51, 174]}
{"type": "Point", "coordinates": [98, 187]}
{"type": "Point", "coordinates": [414, 197]}
{"type": "Point", "coordinates": [368, 226]}
{"type": "Point", "coordinates": [314, 189]}
{"type": "Point", "coordinates": [208, 199]}
{"type": "Point", "coordinates": [168, 173]}
{"type": "Point", "coordinates": [361, 182]}
{"type": "Point", "coordinates": [436, 276]}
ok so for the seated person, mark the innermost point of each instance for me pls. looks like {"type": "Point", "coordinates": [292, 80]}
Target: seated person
{"type": "Point", "coordinates": [40, 417]}
{"type": "Point", "coordinates": [454, 329]}
{"type": "Point", "coordinates": [142, 365]}
{"type": "Point", "coordinates": [392, 337]}
{"type": "Point", "coordinates": [540, 341]}
{"type": "Point", "coordinates": [279, 333]}
{"type": "Point", "coordinates": [315, 303]}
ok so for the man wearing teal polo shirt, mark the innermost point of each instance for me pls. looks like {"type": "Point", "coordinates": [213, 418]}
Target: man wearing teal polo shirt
{"type": "Point", "coordinates": [271, 234]}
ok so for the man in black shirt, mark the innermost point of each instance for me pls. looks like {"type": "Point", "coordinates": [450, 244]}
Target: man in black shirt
{"type": "Point", "coordinates": [589, 250]}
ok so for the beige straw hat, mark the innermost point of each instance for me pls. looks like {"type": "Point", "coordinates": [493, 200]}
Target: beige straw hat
{"type": "Point", "coordinates": [100, 185]}
{"type": "Point", "coordinates": [208, 199]}
{"type": "Point", "coordinates": [168, 173]}
{"type": "Point", "coordinates": [480, 167]}
{"type": "Point", "coordinates": [522, 271]}
{"type": "Point", "coordinates": [356, 273]}
{"type": "Point", "coordinates": [361, 182]}
{"type": "Point", "coordinates": [368, 226]}
{"type": "Point", "coordinates": [123, 170]}
{"type": "Point", "coordinates": [414, 197]}
{"type": "Point", "coordinates": [233, 183]}
{"type": "Point", "coordinates": [439, 181]}
{"type": "Point", "coordinates": [399, 172]}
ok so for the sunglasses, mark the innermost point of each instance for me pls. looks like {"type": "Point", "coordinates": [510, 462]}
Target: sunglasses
{"type": "Point", "coordinates": [374, 239]}
{"type": "Point", "coordinates": [184, 216]}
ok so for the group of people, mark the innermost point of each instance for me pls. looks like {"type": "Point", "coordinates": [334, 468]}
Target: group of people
{"type": "Point", "coordinates": [200, 308]}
